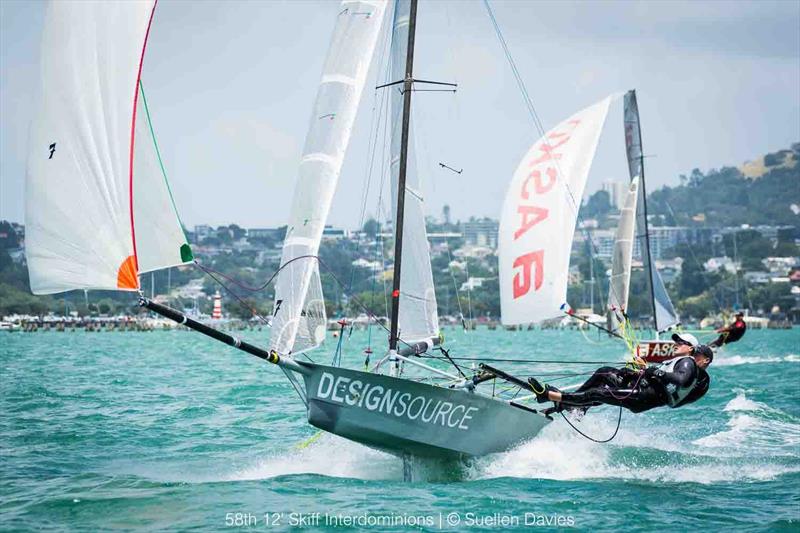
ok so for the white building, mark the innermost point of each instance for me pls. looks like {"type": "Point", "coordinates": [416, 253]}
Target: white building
{"type": "Point", "coordinates": [201, 232]}
{"type": "Point", "coordinates": [716, 263]}
{"type": "Point", "coordinates": [481, 232]}
{"type": "Point", "coordinates": [780, 265]}
{"type": "Point", "coordinates": [372, 266]}
{"type": "Point", "coordinates": [472, 283]}
{"type": "Point", "coordinates": [616, 192]}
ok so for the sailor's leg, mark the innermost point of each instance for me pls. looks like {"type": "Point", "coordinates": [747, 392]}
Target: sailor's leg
{"type": "Point", "coordinates": [635, 400]}
{"type": "Point", "coordinates": [606, 375]}
{"type": "Point", "coordinates": [719, 341]}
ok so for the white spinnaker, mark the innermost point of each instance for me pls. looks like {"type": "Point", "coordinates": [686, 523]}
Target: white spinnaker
{"type": "Point", "coordinates": [537, 223]}
{"type": "Point", "coordinates": [78, 216]}
{"type": "Point", "coordinates": [349, 56]}
{"type": "Point", "coordinates": [619, 284]}
{"type": "Point", "coordinates": [79, 228]}
{"type": "Point", "coordinates": [665, 314]}
{"type": "Point", "coordinates": [418, 318]}
{"type": "Point", "coordinates": [160, 241]}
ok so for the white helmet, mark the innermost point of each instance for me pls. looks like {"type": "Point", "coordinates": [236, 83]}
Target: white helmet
{"type": "Point", "coordinates": [685, 338]}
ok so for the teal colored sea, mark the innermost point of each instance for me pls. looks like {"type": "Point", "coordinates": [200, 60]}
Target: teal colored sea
{"type": "Point", "coordinates": [169, 430]}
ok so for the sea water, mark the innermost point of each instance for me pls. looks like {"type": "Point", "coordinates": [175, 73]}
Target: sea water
{"type": "Point", "coordinates": [170, 430]}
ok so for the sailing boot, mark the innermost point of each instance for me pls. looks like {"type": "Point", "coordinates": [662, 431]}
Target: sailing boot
{"type": "Point", "coordinates": [540, 390]}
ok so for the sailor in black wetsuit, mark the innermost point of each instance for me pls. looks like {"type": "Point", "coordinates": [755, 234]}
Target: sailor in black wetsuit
{"type": "Point", "coordinates": [732, 333]}
{"type": "Point", "coordinates": [679, 381]}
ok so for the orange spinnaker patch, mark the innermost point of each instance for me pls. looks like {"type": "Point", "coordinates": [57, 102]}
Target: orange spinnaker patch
{"type": "Point", "coordinates": [126, 275]}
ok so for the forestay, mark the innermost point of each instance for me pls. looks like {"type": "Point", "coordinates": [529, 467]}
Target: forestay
{"type": "Point", "coordinates": [85, 203]}
{"type": "Point", "coordinates": [619, 283]}
{"type": "Point", "coordinates": [417, 317]}
{"type": "Point", "coordinates": [539, 214]}
{"type": "Point", "coordinates": [334, 111]}
{"type": "Point", "coordinates": [665, 315]}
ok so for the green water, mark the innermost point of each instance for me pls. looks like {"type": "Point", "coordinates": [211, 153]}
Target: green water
{"type": "Point", "coordinates": [169, 430]}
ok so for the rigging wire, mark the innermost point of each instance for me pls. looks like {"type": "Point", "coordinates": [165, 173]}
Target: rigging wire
{"type": "Point", "coordinates": [539, 125]}
{"type": "Point", "coordinates": [455, 286]}
{"type": "Point", "coordinates": [378, 103]}
{"type": "Point", "coordinates": [542, 361]}
{"type": "Point", "coordinates": [214, 273]}
{"type": "Point", "coordinates": [696, 260]}
{"type": "Point", "coordinates": [211, 273]}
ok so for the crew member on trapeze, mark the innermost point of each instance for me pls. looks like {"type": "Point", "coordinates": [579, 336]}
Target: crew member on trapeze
{"type": "Point", "coordinates": [731, 333]}
{"type": "Point", "coordinates": [677, 382]}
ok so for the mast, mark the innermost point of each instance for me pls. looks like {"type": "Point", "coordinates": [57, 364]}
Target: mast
{"type": "Point", "coordinates": [401, 185]}
{"type": "Point", "coordinates": [644, 213]}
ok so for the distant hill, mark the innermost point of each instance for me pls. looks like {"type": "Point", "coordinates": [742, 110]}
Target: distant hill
{"type": "Point", "coordinates": [763, 164]}
{"type": "Point", "coordinates": [763, 191]}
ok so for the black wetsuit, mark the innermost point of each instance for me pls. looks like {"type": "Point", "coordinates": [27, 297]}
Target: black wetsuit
{"type": "Point", "coordinates": [639, 391]}
{"type": "Point", "coordinates": [732, 333]}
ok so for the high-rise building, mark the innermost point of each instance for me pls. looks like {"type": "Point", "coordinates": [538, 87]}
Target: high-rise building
{"type": "Point", "coordinates": [481, 232]}
{"type": "Point", "coordinates": [616, 192]}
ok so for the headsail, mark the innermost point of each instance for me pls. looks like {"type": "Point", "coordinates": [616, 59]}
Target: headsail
{"type": "Point", "coordinates": [160, 241]}
{"type": "Point", "coordinates": [418, 318]}
{"type": "Point", "coordinates": [85, 153]}
{"type": "Point", "coordinates": [339, 93]}
{"type": "Point", "coordinates": [664, 313]}
{"type": "Point", "coordinates": [619, 283]}
{"type": "Point", "coordinates": [539, 214]}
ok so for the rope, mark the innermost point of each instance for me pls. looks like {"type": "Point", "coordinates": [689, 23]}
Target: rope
{"type": "Point", "coordinates": [211, 272]}
{"type": "Point", "coordinates": [252, 309]}
{"type": "Point", "coordinates": [619, 422]}
{"type": "Point", "coordinates": [539, 126]}
{"type": "Point", "coordinates": [696, 260]}
{"type": "Point", "coordinates": [455, 286]}
{"type": "Point", "coordinates": [542, 361]}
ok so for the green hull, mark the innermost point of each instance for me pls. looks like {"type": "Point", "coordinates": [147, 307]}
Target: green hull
{"type": "Point", "coordinates": [404, 417]}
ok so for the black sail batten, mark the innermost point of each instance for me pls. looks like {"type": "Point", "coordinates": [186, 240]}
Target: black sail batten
{"type": "Point", "coordinates": [401, 182]}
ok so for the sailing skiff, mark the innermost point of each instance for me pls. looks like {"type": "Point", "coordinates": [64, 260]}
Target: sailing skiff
{"type": "Point", "coordinates": [100, 213]}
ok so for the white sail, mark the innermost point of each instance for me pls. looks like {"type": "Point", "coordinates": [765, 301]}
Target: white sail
{"type": "Point", "coordinates": [665, 315]}
{"type": "Point", "coordinates": [357, 26]}
{"type": "Point", "coordinates": [418, 318]}
{"type": "Point", "coordinates": [160, 241]}
{"type": "Point", "coordinates": [539, 214]}
{"type": "Point", "coordinates": [619, 284]}
{"type": "Point", "coordinates": [312, 321]}
{"type": "Point", "coordinates": [83, 162]}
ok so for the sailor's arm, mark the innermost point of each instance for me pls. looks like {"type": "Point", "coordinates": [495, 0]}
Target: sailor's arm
{"type": "Point", "coordinates": [684, 373]}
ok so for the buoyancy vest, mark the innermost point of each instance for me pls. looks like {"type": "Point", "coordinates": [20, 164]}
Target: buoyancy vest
{"type": "Point", "coordinates": [675, 393]}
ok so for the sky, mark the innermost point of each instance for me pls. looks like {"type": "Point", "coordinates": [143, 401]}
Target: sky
{"type": "Point", "coordinates": [230, 87]}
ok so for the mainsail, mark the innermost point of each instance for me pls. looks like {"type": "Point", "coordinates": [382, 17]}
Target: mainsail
{"type": "Point", "coordinates": [298, 293]}
{"type": "Point", "coordinates": [417, 317]}
{"type": "Point", "coordinates": [539, 214]}
{"type": "Point", "coordinates": [664, 314]}
{"type": "Point", "coordinates": [619, 283]}
{"type": "Point", "coordinates": [98, 210]}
